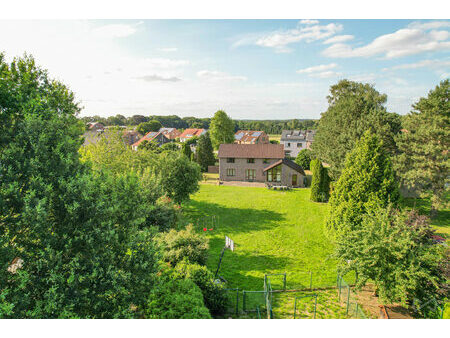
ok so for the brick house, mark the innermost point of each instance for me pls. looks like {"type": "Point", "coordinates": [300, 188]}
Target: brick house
{"type": "Point", "coordinates": [170, 133]}
{"type": "Point", "coordinates": [153, 136]}
{"type": "Point", "coordinates": [190, 133]}
{"type": "Point", "coordinates": [250, 137]}
{"type": "Point", "coordinates": [262, 162]}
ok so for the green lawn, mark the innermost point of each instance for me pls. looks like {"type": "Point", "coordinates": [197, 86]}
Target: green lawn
{"type": "Point", "coordinates": [273, 231]}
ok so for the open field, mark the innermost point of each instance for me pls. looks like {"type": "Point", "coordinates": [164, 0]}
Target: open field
{"type": "Point", "coordinates": [274, 232]}
{"type": "Point", "coordinates": [275, 137]}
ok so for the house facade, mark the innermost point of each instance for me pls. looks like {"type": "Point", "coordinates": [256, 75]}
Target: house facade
{"type": "Point", "coordinates": [258, 163]}
{"type": "Point", "coordinates": [296, 140]}
{"type": "Point", "coordinates": [190, 133]}
{"type": "Point", "coordinates": [250, 137]}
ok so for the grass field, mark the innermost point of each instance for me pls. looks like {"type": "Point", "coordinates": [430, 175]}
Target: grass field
{"type": "Point", "coordinates": [275, 137]}
{"type": "Point", "coordinates": [273, 231]}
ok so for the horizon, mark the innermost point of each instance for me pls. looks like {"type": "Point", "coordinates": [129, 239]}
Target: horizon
{"type": "Point", "coordinates": [252, 69]}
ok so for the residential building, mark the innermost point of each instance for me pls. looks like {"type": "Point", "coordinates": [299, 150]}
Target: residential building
{"type": "Point", "coordinates": [96, 126]}
{"type": "Point", "coordinates": [190, 133]}
{"type": "Point", "coordinates": [131, 136]}
{"type": "Point", "coordinates": [263, 162]}
{"type": "Point", "coordinates": [153, 136]}
{"type": "Point", "coordinates": [250, 137]}
{"type": "Point", "coordinates": [296, 140]}
{"type": "Point", "coordinates": [170, 133]}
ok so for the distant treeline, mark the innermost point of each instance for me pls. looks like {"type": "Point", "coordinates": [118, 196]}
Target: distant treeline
{"type": "Point", "coordinates": [174, 121]}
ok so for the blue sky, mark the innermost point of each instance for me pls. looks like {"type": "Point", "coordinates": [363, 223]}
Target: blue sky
{"type": "Point", "coordinates": [253, 69]}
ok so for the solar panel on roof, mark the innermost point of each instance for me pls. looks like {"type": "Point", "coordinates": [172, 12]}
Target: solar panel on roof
{"type": "Point", "coordinates": [257, 133]}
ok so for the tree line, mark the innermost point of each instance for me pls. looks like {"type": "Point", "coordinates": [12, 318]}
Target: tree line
{"type": "Point", "coordinates": [151, 123]}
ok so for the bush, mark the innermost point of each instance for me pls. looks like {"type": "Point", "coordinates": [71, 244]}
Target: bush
{"type": "Point", "coordinates": [164, 214]}
{"type": "Point", "coordinates": [184, 244]}
{"type": "Point", "coordinates": [175, 298]}
{"type": "Point", "coordinates": [214, 295]}
{"type": "Point", "coordinates": [304, 158]}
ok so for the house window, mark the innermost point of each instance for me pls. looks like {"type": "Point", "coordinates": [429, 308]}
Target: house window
{"type": "Point", "coordinates": [230, 160]}
{"type": "Point", "coordinates": [289, 144]}
{"type": "Point", "coordinates": [274, 174]}
{"type": "Point", "coordinates": [231, 172]}
{"type": "Point", "coordinates": [299, 145]}
{"type": "Point", "coordinates": [250, 174]}
{"type": "Point", "coordinates": [266, 160]}
{"type": "Point", "coordinates": [250, 160]}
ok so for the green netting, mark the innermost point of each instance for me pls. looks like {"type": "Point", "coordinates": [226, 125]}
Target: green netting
{"type": "Point", "coordinates": [253, 301]}
{"type": "Point", "coordinates": [348, 297]}
{"type": "Point", "coordinates": [305, 307]}
{"type": "Point", "coordinates": [233, 301]}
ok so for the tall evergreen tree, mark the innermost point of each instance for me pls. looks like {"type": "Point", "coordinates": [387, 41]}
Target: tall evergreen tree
{"type": "Point", "coordinates": [353, 109]}
{"type": "Point", "coordinates": [316, 168]}
{"type": "Point", "coordinates": [205, 154]}
{"type": "Point", "coordinates": [221, 129]}
{"type": "Point", "coordinates": [423, 162]}
{"type": "Point", "coordinates": [367, 182]}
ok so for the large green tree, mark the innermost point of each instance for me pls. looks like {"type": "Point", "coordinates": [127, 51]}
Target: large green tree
{"type": "Point", "coordinates": [367, 182]}
{"type": "Point", "coordinates": [149, 126]}
{"type": "Point", "coordinates": [304, 158]}
{"type": "Point", "coordinates": [353, 109]}
{"type": "Point", "coordinates": [221, 129]}
{"type": "Point", "coordinates": [71, 243]}
{"type": "Point", "coordinates": [423, 162]}
{"type": "Point", "coordinates": [204, 150]}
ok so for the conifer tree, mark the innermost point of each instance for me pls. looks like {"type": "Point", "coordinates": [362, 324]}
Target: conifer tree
{"type": "Point", "coordinates": [423, 162]}
{"type": "Point", "coordinates": [205, 154]}
{"type": "Point", "coordinates": [367, 181]}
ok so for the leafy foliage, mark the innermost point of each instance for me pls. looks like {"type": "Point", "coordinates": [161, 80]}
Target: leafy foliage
{"type": "Point", "coordinates": [353, 109]}
{"type": "Point", "coordinates": [176, 298]}
{"type": "Point", "coordinates": [184, 244]}
{"type": "Point", "coordinates": [423, 162]}
{"type": "Point", "coordinates": [221, 129]}
{"type": "Point", "coordinates": [304, 158]}
{"type": "Point", "coordinates": [214, 295]}
{"type": "Point", "coordinates": [396, 251]}
{"type": "Point", "coordinates": [205, 154]}
{"type": "Point", "coordinates": [146, 127]}
{"type": "Point", "coordinates": [367, 182]}
{"type": "Point", "coordinates": [58, 218]}
{"type": "Point", "coordinates": [320, 186]}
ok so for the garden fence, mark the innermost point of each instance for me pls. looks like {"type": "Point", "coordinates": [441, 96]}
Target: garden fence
{"type": "Point", "coordinates": [348, 297]}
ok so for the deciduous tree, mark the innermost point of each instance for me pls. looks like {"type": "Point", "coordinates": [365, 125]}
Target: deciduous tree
{"type": "Point", "coordinates": [221, 129]}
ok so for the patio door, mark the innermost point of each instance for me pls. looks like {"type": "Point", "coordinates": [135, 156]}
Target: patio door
{"type": "Point", "coordinates": [250, 175]}
{"type": "Point", "coordinates": [294, 179]}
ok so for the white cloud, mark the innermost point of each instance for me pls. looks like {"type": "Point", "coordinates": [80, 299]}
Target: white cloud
{"type": "Point", "coordinates": [429, 25]}
{"type": "Point", "coordinates": [164, 63]}
{"type": "Point", "coordinates": [434, 64]}
{"type": "Point", "coordinates": [339, 38]}
{"type": "Point", "coordinates": [158, 78]}
{"type": "Point", "coordinates": [316, 69]}
{"type": "Point", "coordinates": [216, 75]}
{"type": "Point", "coordinates": [279, 40]}
{"type": "Point", "coordinates": [168, 49]}
{"type": "Point", "coordinates": [320, 71]}
{"type": "Point", "coordinates": [407, 41]}
{"type": "Point", "coordinates": [309, 22]}
{"type": "Point", "coordinates": [115, 30]}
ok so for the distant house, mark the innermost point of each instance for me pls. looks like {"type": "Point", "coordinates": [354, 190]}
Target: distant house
{"type": "Point", "coordinates": [250, 137]}
{"type": "Point", "coordinates": [170, 133]}
{"type": "Point", "coordinates": [263, 162]}
{"type": "Point", "coordinates": [190, 133]}
{"type": "Point", "coordinates": [153, 136]}
{"type": "Point", "coordinates": [296, 140]}
{"type": "Point", "coordinates": [95, 126]}
{"type": "Point", "coordinates": [131, 136]}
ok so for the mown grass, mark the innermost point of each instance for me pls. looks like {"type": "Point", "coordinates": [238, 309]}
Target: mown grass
{"type": "Point", "coordinates": [273, 231]}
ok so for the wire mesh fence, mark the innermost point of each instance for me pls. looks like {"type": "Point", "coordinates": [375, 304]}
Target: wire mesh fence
{"type": "Point", "coordinates": [348, 298]}
{"type": "Point", "coordinates": [233, 301]}
{"type": "Point", "coordinates": [430, 308]}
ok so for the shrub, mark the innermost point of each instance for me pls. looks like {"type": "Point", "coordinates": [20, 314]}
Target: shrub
{"type": "Point", "coordinates": [214, 295]}
{"type": "Point", "coordinates": [184, 244]}
{"type": "Point", "coordinates": [304, 158]}
{"type": "Point", "coordinates": [164, 214]}
{"type": "Point", "coordinates": [175, 298]}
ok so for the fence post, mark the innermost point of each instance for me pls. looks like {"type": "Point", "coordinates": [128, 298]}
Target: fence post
{"type": "Point", "coordinates": [356, 312]}
{"type": "Point", "coordinates": [348, 297]}
{"type": "Point", "coordinates": [237, 302]}
{"type": "Point", "coordinates": [339, 287]}
{"type": "Point", "coordinates": [310, 280]}
{"type": "Point", "coordinates": [243, 301]}
{"type": "Point", "coordinates": [315, 307]}
{"type": "Point", "coordinates": [285, 281]}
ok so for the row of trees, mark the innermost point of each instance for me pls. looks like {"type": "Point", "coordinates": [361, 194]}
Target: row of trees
{"type": "Point", "coordinates": [80, 233]}
{"type": "Point", "coordinates": [174, 121]}
{"type": "Point", "coordinates": [370, 151]}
